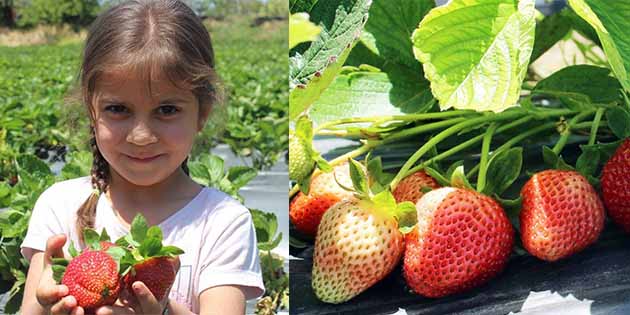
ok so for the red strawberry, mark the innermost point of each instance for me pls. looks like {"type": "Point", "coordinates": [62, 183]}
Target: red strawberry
{"type": "Point", "coordinates": [92, 278]}
{"type": "Point", "coordinates": [462, 240]}
{"type": "Point", "coordinates": [151, 263]}
{"type": "Point", "coordinates": [306, 211]}
{"type": "Point", "coordinates": [561, 214]}
{"type": "Point", "coordinates": [105, 245]}
{"type": "Point", "coordinates": [410, 188]}
{"type": "Point", "coordinates": [616, 186]}
{"type": "Point", "coordinates": [157, 273]}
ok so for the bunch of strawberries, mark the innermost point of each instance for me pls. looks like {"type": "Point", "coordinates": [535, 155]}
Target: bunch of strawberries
{"type": "Point", "coordinates": [458, 238]}
{"type": "Point", "coordinates": [99, 274]}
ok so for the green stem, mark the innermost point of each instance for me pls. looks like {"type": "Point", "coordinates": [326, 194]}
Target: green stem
{"type": "Point", "coordinates": [421, 129]}
{"type": "Point", "coordinates": [466, 144]}
{"type": "Point", "coordinates": [595, 126]}
{"type": "Point", "coordinates": [564, 137]}
{"type": "Point", "coordinates": [403, 118]}
{"type": "Point", "coordinates": [485, 150]}
{"type": "Point", "coordinates": [508, 144]}
{"type": "Point", "coordinates": [490, 117]}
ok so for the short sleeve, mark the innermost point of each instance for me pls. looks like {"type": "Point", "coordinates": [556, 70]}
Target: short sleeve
{"type": "Point", "coordinates": [233, 256]}
{"type": "Point", "coordinates": [43, 223]}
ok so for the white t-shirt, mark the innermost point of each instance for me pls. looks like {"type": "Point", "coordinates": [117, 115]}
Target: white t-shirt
{"type": "Point", "coordinates": [215, 231]}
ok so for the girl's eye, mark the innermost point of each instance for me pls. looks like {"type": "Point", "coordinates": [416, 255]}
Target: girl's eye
{"type": "Point", "coordinates": [167, 110]}
{"type": "Point", "coordinates": [116, 109]}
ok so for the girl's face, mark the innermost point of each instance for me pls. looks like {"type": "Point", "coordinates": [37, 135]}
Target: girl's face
{"type": "Point", "coordinates": [144, 137]}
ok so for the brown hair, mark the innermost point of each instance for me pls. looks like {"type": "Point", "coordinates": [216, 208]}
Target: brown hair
{"type": "Point", "coordinates": [151, 38]}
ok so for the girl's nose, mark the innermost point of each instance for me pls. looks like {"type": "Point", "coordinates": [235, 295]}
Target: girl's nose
{"type": "Point", "coordinates": [141, 135]}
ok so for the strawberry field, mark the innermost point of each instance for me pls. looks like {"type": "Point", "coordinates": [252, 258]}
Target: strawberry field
{"type": "Point", "coordinates": [440, 165]}
{"type": "Point", "coordinates": [42, 141]}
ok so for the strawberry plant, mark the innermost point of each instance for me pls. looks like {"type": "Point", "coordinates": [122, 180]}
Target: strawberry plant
{"type": "Point", "coordinates": [446, 96]}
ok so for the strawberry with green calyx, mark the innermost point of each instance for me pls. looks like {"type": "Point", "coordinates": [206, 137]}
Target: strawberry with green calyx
{"type": "Point", "coordinates": [306, 210]}
{"type": "Point", "coordinates": [561, 214]}
{"type": "Point", "coordinates": [462, 240]}
{"type": "Point", "coordinates": [359, 241]}
{"type": "Point", "coordinates": [93, 276]}
{"type": "Point", "coordinates": [615, 184]}
{"type": "Point", "coordinates": [151, 263]}
{"type": "Point", "coordinates": [302, 156]}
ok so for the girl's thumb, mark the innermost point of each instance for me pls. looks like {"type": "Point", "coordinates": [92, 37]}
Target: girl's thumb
{"type": "Point", "coordinates": [54, 247]}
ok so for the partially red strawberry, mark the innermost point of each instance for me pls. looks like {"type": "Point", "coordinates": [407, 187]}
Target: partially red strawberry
{"type": "Point", "coordinates": [92, 278]}
{"type": "Point", "coordinates": [410, 188]}
{"type": "Point", "coordinates": [306, 211]}
{"type": "Point", "coordinates": [151, 263]}
{"type": "Point", "coordinates": [462, 240]}
{"type": "Point", "coordinates": [616, 186]}
{"type": "Point", "coordinates": [561, 214]}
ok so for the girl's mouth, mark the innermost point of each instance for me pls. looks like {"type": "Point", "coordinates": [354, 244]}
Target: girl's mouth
{"type": "Point", "coordinates": [143, 159]}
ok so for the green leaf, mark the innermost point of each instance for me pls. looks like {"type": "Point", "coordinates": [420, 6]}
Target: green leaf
{"type": "Point", "coordinates": [606, 150]}
{"type": "Point", "coordinates": [79, 163]}
{"type": "Point", "coordinates": [459, 179]}
{"type": "Point", "coordinates": [305, 184]}
{"type": "Point", "coordinates": [407, 216]}
{"type": "Point", "coordinates": [548, 32]}
{"type": "Point", "coordinates": [241, 175]}
{"type": "Point", "coordinates": [581, 86]}
{"type": "Point", "coordinates": [387, 31]}
{"type": "Point", "coordinates": [619, 121]}
{"type": "Point", "coordinates": [549, 157]}
{"type": "Point", "coordinates": [215, 166]}
{"type": "Point", "coordinates": [301, 5]}
{"type": "Point", "coordinates": [104, 236]}
{"type": "Point", "coordinates": [312, 72]}
{"type": "Point", "coordinates": [72, 250]}
{"type": "Point", "coordinates": [476, 52]}
{"type": "Point", "coordinates": [32, 165]}
{"type": "Point", "coordinates": [301, 29]}
{"type": "Point", "coordinates": [91, 239]}
{"type": "Point", "coordinates": [294, 242]}
{"type": "Point", "coordinates": [58, 272]}
{"type": "Point", "coordinates": [270, 245]}
{"type": "Point", "coordinates": [504, 168]}
{"type": "Point", "coordinates": [377, 176]}
{"type": "Point", "coordinates": [199, 173]}
{"type": "Point", "coordinates": [138, 229]}
{"type": "Point", "coordinates": [152, 244]}
{"type": "Point", "coordinates": [385, 202]}
{"type": "Point", "coordinates": [368, 93]}
{"type": "Point", "coordinates": [171, 251]}
{"type": "Point", "coordinates": [359, 179]}
{"type": "Point", "coordinates": [322, 164]}
{"type": "Point", "coordinates": [117, 253]}
{"type": "Point", "coordinates": [588, 161]}
{"type": "Point", "coordinates": [611, 20]}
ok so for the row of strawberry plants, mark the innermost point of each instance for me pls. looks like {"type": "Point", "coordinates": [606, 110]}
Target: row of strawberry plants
{"type": "Point", "coordinates": [469, 108]}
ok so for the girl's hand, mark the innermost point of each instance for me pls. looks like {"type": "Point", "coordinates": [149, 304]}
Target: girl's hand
{"type": "Point", "coordinates": [142, 303]}
{"type": "Point", "coordinates": [51, 296]}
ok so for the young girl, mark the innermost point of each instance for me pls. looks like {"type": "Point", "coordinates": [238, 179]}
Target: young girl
{"type": "Point", "coordinates": [148, 83]}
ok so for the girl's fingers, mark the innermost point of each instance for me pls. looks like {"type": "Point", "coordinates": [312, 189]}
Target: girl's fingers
{"type": "Point", "coordinates": [50, 294]}
{"type": "Point", "coordinates": [64, 306]}
{"type": "Point", "coordinates": [78, 311]}
{"type": "Point", "coordinates": [148, 302]}
{"type": "Point", "coordinates": [116, 310]}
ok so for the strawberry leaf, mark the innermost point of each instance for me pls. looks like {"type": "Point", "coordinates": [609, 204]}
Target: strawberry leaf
{"type": "Point", "coordinates": [139, 229]}
{"type": "Point", "coordinates": [378, 179]}
{"type": "Point", "coordinates": [104, 236]}
{"type": "Point", "coordinates": [171, 251]}
{"type": "Point", "coordinates": [152, 244]}
{"type": "Point", "coordinates": [305, 184]}
{"type": "Point", "coordinates": [91, 239]}
{"type": "Point", "coordinates": [588, 161]}
{"type": "Point", "coordinates": [117, 253]}
{"type": "Point", "coordinates": [459, 180]}
{"type": "Point", "coordinates": [322, 164]}
{"type": "Point", "coordinates": [504, 168]}
{"type": "Point", "coordinates": [359, 179]}
{"type": "Point", "coordinates": [122, 241]}
{"type": "Point", "coordinates": [72, 250]}
{"type": "Point", "coordinates": [407, 216]}
{"type": "Point", "coordinates": [130, 241]}
{"type": "Point", "coordinates": [59, 268]}
{"type": "Point", "coordinates": [619, 121]}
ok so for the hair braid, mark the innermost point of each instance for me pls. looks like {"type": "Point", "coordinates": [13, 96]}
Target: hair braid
{"type": "Point", "coordinates": [100, 181]}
